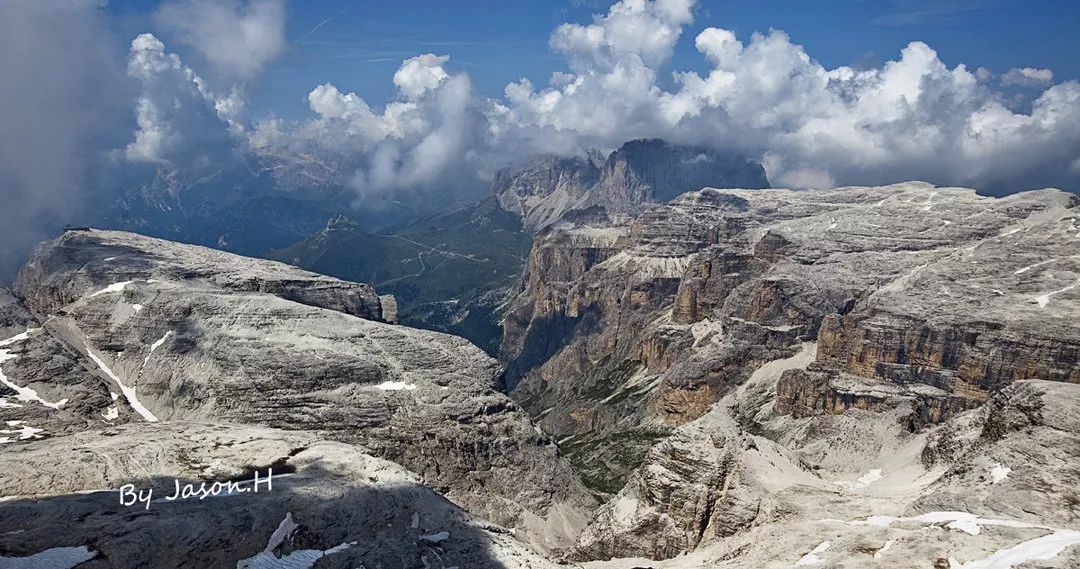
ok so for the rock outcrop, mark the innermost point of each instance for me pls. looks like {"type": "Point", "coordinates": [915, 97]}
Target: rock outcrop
{"type": "Point", "coordinates": [326, 502]}
{"type": "Point", "coordinates": [743, 487]}
{"type": "Point", "coordinates": [136, 330]}
{"type": "Point", "coordinates": [937, 296]}
{"type": "Point", "coordinates": [637, 173]}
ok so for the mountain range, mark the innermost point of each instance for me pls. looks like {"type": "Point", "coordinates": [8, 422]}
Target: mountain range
{"type": "Point", "coordinates": [645, 359]}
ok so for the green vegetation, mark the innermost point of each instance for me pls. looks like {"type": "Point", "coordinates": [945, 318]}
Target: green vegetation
{"type": "Point", "coordinates": [604, 462]}
{"type": "Point", "coordinates": [447, 271]}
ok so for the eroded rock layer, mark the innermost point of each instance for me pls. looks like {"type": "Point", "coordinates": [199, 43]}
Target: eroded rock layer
{"type": "Point", "coordinates": [625, 329]}
{"type": "Point", "coordinates": [137, 330]}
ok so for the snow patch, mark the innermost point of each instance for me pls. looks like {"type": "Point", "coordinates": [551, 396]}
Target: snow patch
{"type": "Point", "coordinates": [436, 537]}
{"type": "Point", "coordinates": [55, 558]}
{"type": "Point", "coordinates": [999, 473]}
{"type": "Point", "coordinates": [24, 432]}
{"type": "Point", "coordinates": [157, 344]}
{"type": "Point", "coordinates": [25, 394]}
{"type": "Point", "coordinates": [1038, 549]}
{"type": "Point", "coordinates": [396, 386]}
{"type": "Point", "coordinates": [863, 481]}
{"type": "Point", "coordinates": [884, 548]}
{"type": "Point", "coordinates": [138, 308]}
{"type": "Point", "coordinates": [812, 558]}
{"type": "Point", "coordinates": [1044, 299]}
{"type": "Point", "coordinates": [111, 414]}
{"type": "Point", "coordinates": [300, 559]}
{"type": "Point", "coordinates": [964, 521]}
{"type": "Point", "coordinates": [115, 287]}
{"type": "Point", "coordinates": [129, 392]}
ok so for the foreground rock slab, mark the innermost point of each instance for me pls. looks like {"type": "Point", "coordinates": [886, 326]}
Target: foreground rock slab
{"type": "Point", "coordinates": [136, 330]}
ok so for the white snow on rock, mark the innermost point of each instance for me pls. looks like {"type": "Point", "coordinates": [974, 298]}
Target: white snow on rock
{"type": "Point", "coordinates": [964, 521]}
{"type": "Point", "coordinates": [1039, 549]}
{"type": "Point", "coordinates": [884, 548]}
{"type": "Point", "coordinates": [115, 287]}
{"type": "Point", "coordinates": [1044, 299]}
{"type": "Point", "coordinates": [436, 537]}
{"type": "Point", "coordinates": [111, 414]}
{"type": "Point", "coordinates": [129, 392]}
{"type": "Point", "coordinates": [26, 394]}
{"type": "Point", "coordinates": [864, 480]}
{"type": "Point", "coordinates": [137, 307]}
{"type": "Point", "coordinates": [812, 558]}
{"type": "Point", "coordinates": [300, 559]}
{"type": "Point", "coordinates": [4, 404]}
{"type": "Point", "coordinates": [55, 558]}
{"type": "Point", "coordinates": [157, 344]}
{"type": "Point", "coordinates": [396, 386]}
{"type": "Point", "coordinates": [999, 473]}
{"type": "Point", "coordinates": [24, 432]}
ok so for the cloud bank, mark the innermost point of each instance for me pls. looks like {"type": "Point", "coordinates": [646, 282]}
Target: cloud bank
{"type": "Point", "coordinates": [58, 115]}
{"type": "Point", "coordinates": [764, 96]}
{"type": "Point", "coordinates": [236, 38]}
{"type": "Point", "coordinates": [75, 125]}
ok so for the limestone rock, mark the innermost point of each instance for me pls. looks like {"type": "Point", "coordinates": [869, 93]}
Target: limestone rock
{"type": "Point", "coordinates": [938, 296]}
{"type": "Point", "coordinates": [327, 502]}
{"type": "Point", "coordinates": [189, 334]}
{"type": "Point", "coordinates": [639, 172]}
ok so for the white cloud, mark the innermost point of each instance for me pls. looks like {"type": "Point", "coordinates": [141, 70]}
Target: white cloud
{"type": "Point", "coordinates": [424, 139]}
{"type": "Point", "coordinates": [179, 119]}
{"type": "Point", "coordinates": [237, 37]}
{"type": "Point", "coordinates": [1027, 76]}
{"type": "Point", "coordinates": [640, 29]}
{"type": "Point", "coordinates": [420, 74]}
{"type": "Point", "coordinates": [763, 96]}
{"type": "Point", "coordinates": [63, 94]}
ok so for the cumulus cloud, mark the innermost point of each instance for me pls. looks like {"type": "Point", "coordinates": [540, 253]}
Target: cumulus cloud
{"type": "Point", "coordinates": [641, 29]}
{"type": "Point", "coordinates": [425, 138]}
{"type": "Point", "coordinates": [64, 96]}
{"type": "Point", "coordinates": [1027, 76]}
{"type": "Point", "coordinates": [421, 74]}
{"type": "Point", "coordinates": [180, 121]}
{"type": "Point", "coordinates": [237, 37]}
{"type": "Point", "coordinates": [763, 96]}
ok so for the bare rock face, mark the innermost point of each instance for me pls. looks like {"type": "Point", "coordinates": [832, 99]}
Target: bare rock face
{"type": "Point", "coordinates": [188, 334]}
{"type": "Point", "coordinates": [743, 487]}
{"type": "Point", "coordinates": [638, 173]}
{"type": "Point", "coordinates": [932, 421]}
{"type": "Point", "coordinates": [1015, 457]}
{"type": "Point", "coordinates": [325, 502]}
{"type": "Point", "coordinates": [14, 318]}
{"type": "Point", "coordinates": [709, 480]}
{"type": "Point", "coordinates": [936, 297]}
{"type": "Point", "coordinates": [83, 262]}
{"type": "Point", "coordinates": [543, 189]}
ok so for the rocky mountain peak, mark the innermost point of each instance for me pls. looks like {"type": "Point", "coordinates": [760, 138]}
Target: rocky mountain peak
{"type": "Point", "coordinates": [637, 173]}
{"type": "Point", "coordinates": [654, 170]}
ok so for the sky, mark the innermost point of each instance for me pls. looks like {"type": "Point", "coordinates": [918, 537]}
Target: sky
{"type": "Point", "coordinates": [358, 45]}
{"type": "Point", "coordinates": [424, 98]}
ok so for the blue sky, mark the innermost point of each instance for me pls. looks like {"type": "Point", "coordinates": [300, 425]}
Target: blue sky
{"type": "Point", "coordinates": [357, 46]}
{"type": "Point", "coordinates": [98, 95]}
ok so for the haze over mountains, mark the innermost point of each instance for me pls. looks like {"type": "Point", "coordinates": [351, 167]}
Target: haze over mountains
{"type": "Point", "coordinates": [108, 99]}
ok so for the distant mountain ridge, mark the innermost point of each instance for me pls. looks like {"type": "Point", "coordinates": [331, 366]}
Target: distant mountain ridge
{"type": "Point", "coordinates": [639, 172]}
{"type": "Point", "coordinates": [456, 271]}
